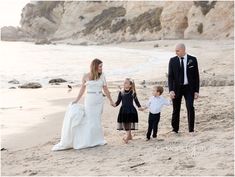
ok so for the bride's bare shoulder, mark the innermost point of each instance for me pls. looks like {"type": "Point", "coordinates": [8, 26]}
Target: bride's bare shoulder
{"type": "Point", "coordinates": [86, 76]}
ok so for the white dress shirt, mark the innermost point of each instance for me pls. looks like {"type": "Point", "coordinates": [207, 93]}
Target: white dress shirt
{"type": "Point", "coordinates": [156, 103]}
{"type": "Point", "coordinates": [185, 68]}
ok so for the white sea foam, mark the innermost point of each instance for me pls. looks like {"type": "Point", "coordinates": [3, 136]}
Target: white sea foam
{"type": "Point", "coordinates": [28, 62]}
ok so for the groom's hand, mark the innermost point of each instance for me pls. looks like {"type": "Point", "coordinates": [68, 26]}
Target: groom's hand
{"type": "Point", "coordinates": [172, 94]}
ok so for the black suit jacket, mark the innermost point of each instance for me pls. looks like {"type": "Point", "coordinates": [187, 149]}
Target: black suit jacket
{"type": "Point", "coordinates": [192, 74]}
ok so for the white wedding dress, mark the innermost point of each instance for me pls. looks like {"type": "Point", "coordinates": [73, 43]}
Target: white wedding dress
{"type": "Point", "coordinates": [82, 123]}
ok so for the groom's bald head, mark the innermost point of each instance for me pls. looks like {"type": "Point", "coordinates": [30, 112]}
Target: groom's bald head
{"type": "Point", "coordinates": [180, 49]}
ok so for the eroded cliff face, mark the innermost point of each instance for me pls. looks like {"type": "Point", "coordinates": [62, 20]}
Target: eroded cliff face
{"type": "Point", "coordinates": [107, 22]}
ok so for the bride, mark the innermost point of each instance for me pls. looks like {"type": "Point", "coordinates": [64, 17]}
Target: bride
{"type": "Point", "coordinates": [82, 123]}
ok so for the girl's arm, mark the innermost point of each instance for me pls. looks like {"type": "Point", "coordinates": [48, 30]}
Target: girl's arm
{"type": "Point", "coordinates": [145, 106]}
{"type": "Point", "coordinates": [82, 90]}
{"type": "Point", "coordinates": [136, 101]}
{"type": "Point", "coordinates": [119, 99]}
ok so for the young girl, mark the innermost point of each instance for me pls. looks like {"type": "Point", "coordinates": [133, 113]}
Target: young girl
{"type": "Point", "coordinates": [128, 116]}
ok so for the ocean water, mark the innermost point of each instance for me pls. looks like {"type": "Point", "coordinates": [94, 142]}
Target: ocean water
{"type": "Point", "coordinates": [28, 62]}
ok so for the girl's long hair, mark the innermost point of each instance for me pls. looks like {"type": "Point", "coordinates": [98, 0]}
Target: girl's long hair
{"type": "Point", "coordinates": [132, 83]}
{"type": "Point", "coordinates": [94, 74]}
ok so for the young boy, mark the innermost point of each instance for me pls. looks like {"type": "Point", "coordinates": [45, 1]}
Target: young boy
{"type": "Point", "coordinates": [155, 104]}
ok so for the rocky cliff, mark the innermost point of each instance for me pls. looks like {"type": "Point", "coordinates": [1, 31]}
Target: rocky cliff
{"type": "Point", "coordinates": [117, 21]}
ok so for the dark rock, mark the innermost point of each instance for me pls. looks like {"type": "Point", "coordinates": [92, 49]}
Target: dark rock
{"type": "Point", "coordinates": [3, 149]}
{"type": "Point", "coordinates": [58, 80]}
{"type": "Point", "coordinates": [42, 41]}
{"type": "Point", "coordinates": [31, 85]}
{"type": "Point", "coordinates": [103, 21]}
{"type": "Point", "coordinates": [147, 20]}
{"type": "Point", "coordinates": [13, 81]}
{"type": "Point", "coordinates": [83, 43]}
{"type": "Point", "coordinates": [143, 82]}
{"type": "Point", "coordinates": [200, 28]}
{"type": "Point", "coordinates": [206, 6]}
{"type": "Point", "coordinates": [156, 45]}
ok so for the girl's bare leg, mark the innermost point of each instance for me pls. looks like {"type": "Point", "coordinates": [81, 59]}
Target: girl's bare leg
{"type": "Point", "coordinates": [129, 136]}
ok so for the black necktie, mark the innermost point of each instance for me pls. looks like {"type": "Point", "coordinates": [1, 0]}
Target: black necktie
{"type": "Point", "coordinates": [182, 71]}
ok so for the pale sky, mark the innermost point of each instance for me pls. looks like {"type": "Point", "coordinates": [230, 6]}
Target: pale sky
{"type": "Point", "coordinates": [10, 11]}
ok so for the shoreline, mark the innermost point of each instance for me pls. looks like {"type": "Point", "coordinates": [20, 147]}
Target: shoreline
{"type": "Point", "coordinates": [207, 57]}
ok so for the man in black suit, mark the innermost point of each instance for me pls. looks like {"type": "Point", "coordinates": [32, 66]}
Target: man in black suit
{"type": "Point", "coordinates": [183, 80]}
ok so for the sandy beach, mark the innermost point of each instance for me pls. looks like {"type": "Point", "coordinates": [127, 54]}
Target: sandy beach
{"type": "Point", "coordinates": [31, 121]}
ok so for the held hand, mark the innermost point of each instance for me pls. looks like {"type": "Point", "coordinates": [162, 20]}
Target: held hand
{"type": "Point", "coordinates": [172, 94]}
{"type": "Point", "coordinates": [196, 95]}
{"type": "Point", "coordinates": [112, 103]}
{"type": "Point", "coordinates": [141, 109]}
{"type": "Point", "coordinates": [75, 102]}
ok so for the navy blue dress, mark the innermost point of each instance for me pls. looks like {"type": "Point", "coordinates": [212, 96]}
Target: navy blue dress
{"type": "Point", "coordinates": [128, 116]}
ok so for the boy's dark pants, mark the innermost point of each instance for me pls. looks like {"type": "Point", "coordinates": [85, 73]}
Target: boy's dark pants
{"type": "Point", "coordinates": [153, 124]}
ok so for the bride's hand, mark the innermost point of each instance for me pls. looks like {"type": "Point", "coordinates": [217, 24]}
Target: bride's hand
{"type": "Point", "coordinates": [75, 102]}
{"type": "Point", "coordinates": [112, 103]}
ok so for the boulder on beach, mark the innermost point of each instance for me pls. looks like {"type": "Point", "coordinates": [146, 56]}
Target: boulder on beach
{"type": "Point", "coordinates": [57, 80]}
{"type": "Point", "coordinates": [31, 85]}
{"type": "Point", "coordinates": [13, 81]}
{"type": "Point", "coordinates": [42, 41]}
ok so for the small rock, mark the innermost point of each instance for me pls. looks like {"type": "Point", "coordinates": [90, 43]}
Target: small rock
{"type": "Point", "coordinates": [42, 41]}
{"type": "Point", "coordinates": [156, 45]}
{"type": "Point", "coordinates": [83, 43]}
{"type": "Point", "coordinates": [3, 149]}
{"type": "Point", "coordinates": [12, 87]}
{"type": "Point", "coordinates": [204, 71]}
{"type": "Point", "coordinates": [189, 165]}
{"type": "Point", "coordinates": [58, 80]}
{"type": "Point", "coordinates": [143, 82]}
{"type": "Point", "coordinates": [33, 173]}
{"type": "Point", "coordinates": [31, 85]}
{"type": "Point", "coordinates": [169, 158]}
{"type": "Point", "coordinates": [14, 81]}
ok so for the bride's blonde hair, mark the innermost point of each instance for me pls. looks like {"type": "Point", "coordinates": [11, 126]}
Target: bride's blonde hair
{"type": "Point", "coordinates": [94, 74]}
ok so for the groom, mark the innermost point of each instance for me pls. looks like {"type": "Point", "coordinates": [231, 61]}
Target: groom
{"type": "Point", "coordinates": [183, 80]}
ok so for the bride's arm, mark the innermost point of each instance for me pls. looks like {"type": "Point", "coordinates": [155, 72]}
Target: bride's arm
{"type": "Point", "coordinates": [82, 89]}
{"type": "Point", "coordinates": [106, 90]}
{"type": "Point", "coordinates": [107, 93]}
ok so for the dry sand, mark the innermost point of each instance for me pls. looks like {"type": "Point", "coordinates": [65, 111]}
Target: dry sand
{"type": "Point", "coordinates": [29, 132]}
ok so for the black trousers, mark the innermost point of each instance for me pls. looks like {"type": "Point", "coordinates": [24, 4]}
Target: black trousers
{"type": "Point", "coordinates": [153, 124]}
{"type": "Point", "coordinates": [189, 100]}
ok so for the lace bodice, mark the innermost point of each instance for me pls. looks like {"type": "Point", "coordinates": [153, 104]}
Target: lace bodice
{"type": "Point", "coordinates": [96, 85]}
